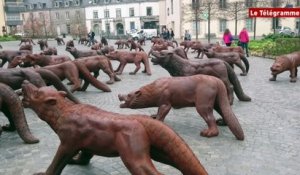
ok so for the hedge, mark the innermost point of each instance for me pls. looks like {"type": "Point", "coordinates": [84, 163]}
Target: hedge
{"type": "Point", "coordinates": [274, 47]}
{"type": "Point", "coordinates": [9, 38]}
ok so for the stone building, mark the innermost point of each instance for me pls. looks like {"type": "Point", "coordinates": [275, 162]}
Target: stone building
{"type": "Point", "coordinates": [2, 19]}
{"type": "Point", "coordinates": [172, 16]}
{"type": "Point", "coordinates": [118, 17]}
{"type": "Point", "coordinates": [56, 17]}
{"type": "Point", "coordinates": [68, 17]}
{"type": "Point", "coordinates": [13, 20]}
{"type": "Point", "coordinates": [231, 14]}
{"type": "Point", "coordinates": [36, 18]}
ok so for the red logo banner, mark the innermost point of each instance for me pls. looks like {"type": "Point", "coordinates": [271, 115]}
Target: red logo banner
{"type": "Point", "coordinates": [274, 12]}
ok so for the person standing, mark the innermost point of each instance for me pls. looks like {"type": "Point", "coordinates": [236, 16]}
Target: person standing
{"type": "Point", "coordinates": [172, 34]}
{"type": "Point", "coordinates": [244, 40]}
{"type": "Point", "coordinates": [168, 35]}
{"type": "Point", "coordinates": [187, 36]}
{"type": "Point", "coordinates": [227, 37]}
{"type": "Point", "coordinates": [164, 34]}
{"type": "Point", "coordinates": [91, 36]}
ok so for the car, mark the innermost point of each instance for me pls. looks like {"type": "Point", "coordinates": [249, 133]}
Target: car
{"type": "Point", "coordinates": [285, 30]}
{"type": "Point", "coordinates": [146, 33]}
{"type": "Point", "coordinates": [19, 34]}
{"type": "Point", "coordinates": [137, 35]}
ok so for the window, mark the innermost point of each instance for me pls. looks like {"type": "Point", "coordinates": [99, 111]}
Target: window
{"type": "Point", "coordinates": [106, 13]}
{"type": "Point", "coordinates": [195, 4]}
{"type": "Point", "coordinates": [249, 3]}
{"type": "Point", "coordinates": [44, 5]}
{"type": "Point", "coordinates": [249, 24]}
{"type": "Point", "coordinates": [57, 15]}
{"type": "Point", "coordinates": [107, 28]}
{"type": "Point", "coordinates": [222, 4]}
{"type": "Point", "coordinates": [172, 7]}
{"type": "Point", "coordinates": [34, 6]}
{"type": "Point", "coordinates": [149, 11]}
{"type": "Point", "coordinates": [298, 3]}
{"type": "Point", "coordinates": [66, 3]}
{"type": "Point", "coordinates": [76, 3]}
{"type": "Point", "coordinates": [41, 16]}
{"type": "Point", "coordinates": [95, 1]}
{"type": "Point", "coordinates": [95, 15]}
{"type": "Point", "coordinates": [168, 11]}
{"type": "Point", "coordinates": [118, 13]}
{"type": "Point", "coordinates": [275, 23]}
{"type": "Point", "coordinates": [23, 17]}
{"type": "Point", "coordinates": [276, 3]}
{"type": "Point", "coordinates": [132, 25]}
{"type": "Point", "coordinates": [56, 4]}
{"type": "Point", "coordinates": [77, 13]}
{"type": "Point", "coordinates": [194, 27]}
{"type": "Point", "coordinates": [68, 28]}
{"type": "Point", "coordinates": [106, 1]}
{"type": "Point", "coordinates": [131, 11]}
{"type": "Point", "coordinates": [223, 25]}
{"type": "Point", "coordinates": [67, 15]}
{"type": "Point", "coordinates": [298, 25]}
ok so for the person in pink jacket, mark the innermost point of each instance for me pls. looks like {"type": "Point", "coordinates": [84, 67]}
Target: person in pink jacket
{"type": "Point", "coordinates": [244, 40]}
{"type": "Point", "coordinates": [227, 37]}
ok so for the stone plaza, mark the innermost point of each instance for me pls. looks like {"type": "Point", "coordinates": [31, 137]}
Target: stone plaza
{"type": "Point", "coordinates": [271, 123]}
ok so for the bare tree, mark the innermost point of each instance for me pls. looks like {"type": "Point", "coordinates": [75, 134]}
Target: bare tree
{"type": "Point", "coordinates": [33, 26]}
{"type": "Point", "coordinates": [77, 25]}
{"type": "Point", "coordinates": [191, 13]}
{"type": "Point", "coordinates": [233, 11]}
{"type": "Point", "coordinates": [210, 9]}
{"type": "Point", "coordinates": [38, 24]}
{"type": "Point", "coordinates": [200, 10]}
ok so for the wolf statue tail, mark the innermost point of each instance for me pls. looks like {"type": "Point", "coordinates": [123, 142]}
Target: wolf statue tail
{"type": "Point", "coordinates": [236, 84]}
{"type": "Point", "coordinates": [167, 147]}
{"type": "Point", "coordinates": [87, 75]}
{"type": "Point", "coordinates": [227, 114]}
{"type": "Point", "coordinates": [15, 114]}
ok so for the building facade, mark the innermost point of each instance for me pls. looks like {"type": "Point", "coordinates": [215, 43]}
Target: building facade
{"type": "Point", "coordinates": [173, 16]}
{"type": "Point", "coordinates": [231, 14]}
{"type": "Point", "coordinates": [13, 20]}
{"type": "Point", "coordinates": [68, 17]}
{"type": "Point", "coordinates": [53, 18]}
{"type": "Point", "coordinates": [2, 19]}
{"type": "Point", "coordinates": [119, 17]}
{"type": "Point", "coordinates": [36, 18]}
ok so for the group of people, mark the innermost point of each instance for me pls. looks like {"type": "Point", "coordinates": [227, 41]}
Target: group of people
{"type": "Point", "coordinates": [243, 39]}
{"type": "Point", "coordinates": [167, 34]}
{"type": "Point", "coordinates": [92, 41]}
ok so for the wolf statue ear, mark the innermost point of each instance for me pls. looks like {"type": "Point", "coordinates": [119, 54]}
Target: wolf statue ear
{"type": "Point", "coordinates": [50, 101]}
{"type": "Point", "coordinates": [170, 53]}
{"type": "Point", "coordinates": [138, 93]}
{"type": "Point", "coordinates": [62, 93]}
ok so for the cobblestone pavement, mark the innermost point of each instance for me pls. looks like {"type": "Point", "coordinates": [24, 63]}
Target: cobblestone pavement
{"type": "Point", "coordinates": [271, 124]}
